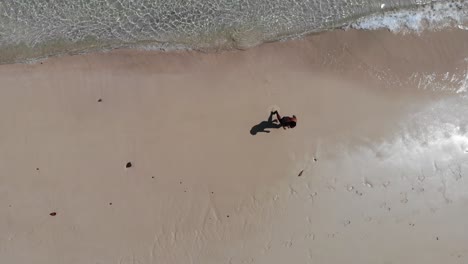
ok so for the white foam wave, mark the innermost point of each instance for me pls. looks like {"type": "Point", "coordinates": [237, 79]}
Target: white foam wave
{"type": "Point", "coordinates": [438, 82]}
{"type": "Point", "coordinates": [434, 16]}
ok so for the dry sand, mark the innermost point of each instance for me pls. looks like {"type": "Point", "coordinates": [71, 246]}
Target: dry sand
{"type": "Point", "coordinates": [381, 142]}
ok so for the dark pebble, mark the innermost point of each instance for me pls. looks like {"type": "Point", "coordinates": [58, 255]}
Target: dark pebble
{"type": "Point", "coordinates": [53, 214]}
{"type": "Point", "coordinates": [100, 100]}
{"type": "Point", "coordinates": [129, 165]}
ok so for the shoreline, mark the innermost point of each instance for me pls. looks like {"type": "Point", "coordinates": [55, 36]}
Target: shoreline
{"type": "Point", "coordinates": [415, 18]}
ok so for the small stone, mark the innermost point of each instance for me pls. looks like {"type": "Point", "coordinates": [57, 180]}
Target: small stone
{"type": "Point", "coordinates": [129, 165]}
{"type": "Point", "coordinates": [227, 216]}
{"type": "Point", "coordinates": [300, 173]}
{"type": "Point", "coordinates": [99, 100]}
{"type": "Point", "coordinates": [110, 203]}
{"type": "Point", "coordinates": [53, 214]}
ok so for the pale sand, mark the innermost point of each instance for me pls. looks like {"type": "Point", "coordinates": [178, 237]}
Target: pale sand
{"type": "Point", "coordinates": [388, 184]}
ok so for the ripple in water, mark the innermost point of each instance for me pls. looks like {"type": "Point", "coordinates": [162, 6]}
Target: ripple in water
{"type": "Point", "coordinates": [32, 29]}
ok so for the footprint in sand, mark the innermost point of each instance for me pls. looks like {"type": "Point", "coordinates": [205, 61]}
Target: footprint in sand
{"type": "Point", "coordinates": [358, 193]}
{"type": "Point", "coordinates": [367, 183]}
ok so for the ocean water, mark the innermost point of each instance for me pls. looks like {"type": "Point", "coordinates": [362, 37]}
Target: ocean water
{"type": "Point", "coordinates": [34, 29]}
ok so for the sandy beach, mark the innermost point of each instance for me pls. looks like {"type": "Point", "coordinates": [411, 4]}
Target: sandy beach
{"type": "Point", "coordinates": [375, 171]}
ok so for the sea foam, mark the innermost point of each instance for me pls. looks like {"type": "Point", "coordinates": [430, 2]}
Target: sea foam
{"type": "Point", "coordinates": [434, 16]}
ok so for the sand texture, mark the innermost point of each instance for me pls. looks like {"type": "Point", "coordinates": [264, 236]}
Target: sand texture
{"type": "Point", "coordinates": [375, 172]}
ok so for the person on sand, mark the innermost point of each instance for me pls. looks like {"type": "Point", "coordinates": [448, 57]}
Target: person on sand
{"type": "Point", "coordinates": [286, 121]}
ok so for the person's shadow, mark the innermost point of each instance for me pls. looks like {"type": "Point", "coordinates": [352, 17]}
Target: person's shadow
{"type": "Point", "coordinates": [262, 126]}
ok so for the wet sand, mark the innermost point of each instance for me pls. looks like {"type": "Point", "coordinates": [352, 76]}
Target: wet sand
{"type": "Point", "coordinates": [148, 157]}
